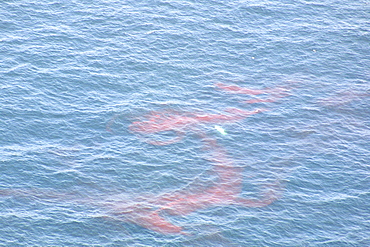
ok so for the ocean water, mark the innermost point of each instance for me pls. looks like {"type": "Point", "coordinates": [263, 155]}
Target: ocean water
{"type": "Point", "coordinates": [75, 74]}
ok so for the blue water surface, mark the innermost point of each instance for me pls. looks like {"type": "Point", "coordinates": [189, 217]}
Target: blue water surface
{"type": "Point", "coordinates": [69, 69]}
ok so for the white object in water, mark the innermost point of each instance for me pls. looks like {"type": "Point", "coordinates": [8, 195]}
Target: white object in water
{"type": "Point", "coordinates": [220, 129]}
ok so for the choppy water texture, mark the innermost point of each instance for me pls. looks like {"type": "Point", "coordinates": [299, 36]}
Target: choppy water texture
{"type": "Point", "coordinates": [74, 75]}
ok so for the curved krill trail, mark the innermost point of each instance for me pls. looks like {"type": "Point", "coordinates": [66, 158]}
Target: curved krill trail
{"type": "Point", "coordinates": [229, 184]}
